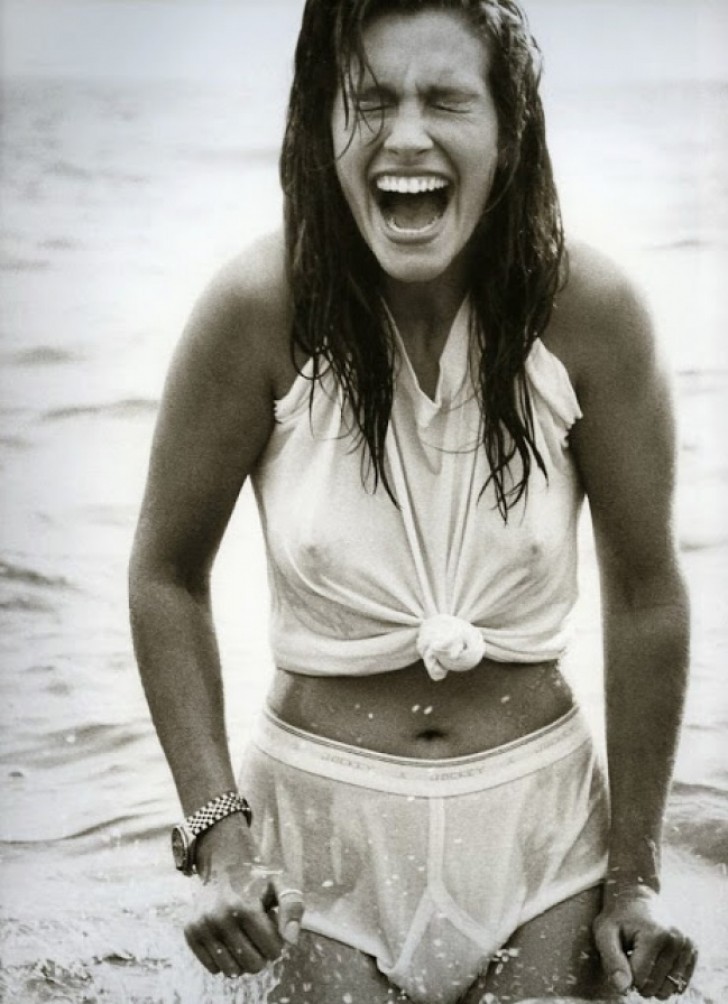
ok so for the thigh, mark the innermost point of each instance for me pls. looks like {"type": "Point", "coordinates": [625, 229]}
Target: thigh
{"type": "Point", "coordinates": [552, 955]}
{"type": "Point", "coordinates": [321, 971]}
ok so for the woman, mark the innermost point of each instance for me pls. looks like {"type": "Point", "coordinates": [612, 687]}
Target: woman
{"type": "Point", "coordinates": [422, 393]}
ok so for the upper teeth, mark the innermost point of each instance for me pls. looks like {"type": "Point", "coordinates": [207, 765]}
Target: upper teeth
{"type": "Point", "coordinates": [409, 186]}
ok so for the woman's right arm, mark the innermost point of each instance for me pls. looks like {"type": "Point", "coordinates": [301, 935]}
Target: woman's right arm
{"type": "Point", "coordinates": [215, 419]}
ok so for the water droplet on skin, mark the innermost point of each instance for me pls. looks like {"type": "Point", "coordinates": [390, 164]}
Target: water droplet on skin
{"type": "Point", "coordinates": [415, 708]}
{"type": "Point", "coordinates": [428, 710]}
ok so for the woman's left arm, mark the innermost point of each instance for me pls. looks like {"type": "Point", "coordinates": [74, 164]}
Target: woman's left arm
{"type": "Point", "coordinates": [625, 451]}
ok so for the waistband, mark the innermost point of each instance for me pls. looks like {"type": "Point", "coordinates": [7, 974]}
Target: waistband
{"type": "Point", "coordinates": [460, 775]}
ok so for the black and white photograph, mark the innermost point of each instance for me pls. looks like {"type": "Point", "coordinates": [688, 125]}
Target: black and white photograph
{"type": "Point", "coordinates": [363, 534]}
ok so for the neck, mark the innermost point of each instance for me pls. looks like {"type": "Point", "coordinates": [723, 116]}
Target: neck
{"type": "Point", "coordinates": [424, 312]}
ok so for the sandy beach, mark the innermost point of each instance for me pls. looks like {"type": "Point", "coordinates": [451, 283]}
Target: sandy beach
{"type": "Point", "coordinates": [130, 172]}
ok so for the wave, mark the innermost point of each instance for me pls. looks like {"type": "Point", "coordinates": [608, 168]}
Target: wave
{"type": "Point", "coordinates": [60, 244]}
{"type": "Point", "coordinates": [267, 154]}
{"type": "Point", "coordinates": [114, 823]}
{"type": "Point", "coordinates": [65, 169]}
{"type": "Point", "coordinates": [26, 604]}
{"type": "Point", "coordinates": [77, 172]}
{"type": "Point", "coordinates": [698, 381]}
{"type": "Point", "coordinates": [12, 442]}
{"type": "Point", "coordinates": [127, 827]}
{"type": "Point", "coordinates": [697, 821]}
{"type": "Point", "coordinates": [77, 745]}
{"type": "Point", "coordinates": [24, 264]}
{"type": "Point", "coordinates": [692, 544]}
{"type": "Point", "coordinates": [11, 572]}
{"type": "Point", "coordinates": [687, 790]}
{"type": "Point", "coordinates": [127, 408]}
{"type": "Point", "coordinates": [681, 244]}
{"type": "Point", "coordinates": [28, 591]}
{"type": "Point", "coordinates": [43, 355]}
{"type": "Point", "coordinates": [114, 814]}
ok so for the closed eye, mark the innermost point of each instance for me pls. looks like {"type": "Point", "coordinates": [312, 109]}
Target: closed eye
{"type": "Point", "coordinates": [372, 100]}
{"type": "Point", "coordinates": [371, 108]}
{"type": "Point", "coordinates": [441, 106]}
{"type": "Point", "coordinates": [451, 101]}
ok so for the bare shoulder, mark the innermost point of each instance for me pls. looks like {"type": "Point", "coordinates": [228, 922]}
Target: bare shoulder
{"type": "Point", "coordinates": [216, 414]}
{"type": "Point", "coordinates": [255, 279]}
{"type": "Point", "coordinates": [601, 327]}
{"type": "Point", "coordinates": [241, 322]}
{"type": "Point", "coordinates": [624, 445]}
{"type": "Point", "coordinates": [217, 409]}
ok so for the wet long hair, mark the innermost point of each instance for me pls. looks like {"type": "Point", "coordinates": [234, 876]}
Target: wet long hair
{"type": "Point", "coordinates": [516, 253]}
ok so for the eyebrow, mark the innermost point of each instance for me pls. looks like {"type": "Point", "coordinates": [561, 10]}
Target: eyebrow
{"type": "Point", "coordinates": [371, 90]}
{"type": "Point", "coordinates": [452, 92]}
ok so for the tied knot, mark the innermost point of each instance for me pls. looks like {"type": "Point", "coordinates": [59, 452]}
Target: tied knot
{"type": "Point", "coordinates": [448, 643]}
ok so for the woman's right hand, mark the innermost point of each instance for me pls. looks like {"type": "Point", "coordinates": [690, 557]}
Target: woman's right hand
{"type": "Point", "coordinates": [244, 912]}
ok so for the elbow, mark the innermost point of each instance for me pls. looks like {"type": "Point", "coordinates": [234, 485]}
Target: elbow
{"type": "Point", "coordinates": [142, 573]}
{"type": "Point", "coordinates": [155, 579]}
{"type": "Point", "coordinates": [145, 590]}
{"type": "Point", "coordinates": [652, 609]}
{"type": "Point", "coordinates": [633, 586]}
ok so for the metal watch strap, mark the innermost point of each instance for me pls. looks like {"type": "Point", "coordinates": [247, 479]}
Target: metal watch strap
{"type": "Point", "coordinates": [216, 809]}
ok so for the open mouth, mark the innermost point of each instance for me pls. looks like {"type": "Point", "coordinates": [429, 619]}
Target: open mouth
{"type": "Point", "coordinates": [411, 205]}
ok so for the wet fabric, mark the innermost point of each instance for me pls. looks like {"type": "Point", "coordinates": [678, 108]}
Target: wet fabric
{"type": "Point", "coordinates": [429, 866]}
{"type": "Point", "coordinates": [360, 586]}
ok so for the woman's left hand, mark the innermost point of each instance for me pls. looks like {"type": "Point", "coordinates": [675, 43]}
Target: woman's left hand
{"type": "Point", "coordinates": [638, 949]}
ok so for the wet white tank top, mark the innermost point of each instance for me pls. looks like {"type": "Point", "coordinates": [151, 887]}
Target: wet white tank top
{"type": "Point", "coordinates": [359, 586]}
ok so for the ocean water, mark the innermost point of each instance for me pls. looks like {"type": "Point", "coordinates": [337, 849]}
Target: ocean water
{"type": "Point", "coordinates": [123, 188]}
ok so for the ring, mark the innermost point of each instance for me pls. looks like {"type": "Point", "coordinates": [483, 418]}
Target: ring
{"type": "Point", "coordinates": [290, 892]}
{"type": "Point", "coordinates": [678, 982]}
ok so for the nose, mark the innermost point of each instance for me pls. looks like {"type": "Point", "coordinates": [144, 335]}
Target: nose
{"type": "Point", "coordinates": [408, 133]}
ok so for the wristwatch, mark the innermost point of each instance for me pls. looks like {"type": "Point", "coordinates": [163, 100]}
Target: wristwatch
{"type": "Point", "coordinates": [184, 836]}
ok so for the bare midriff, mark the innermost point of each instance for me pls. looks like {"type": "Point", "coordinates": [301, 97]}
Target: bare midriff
{"type": "Point", "coordinates": [405, 713]}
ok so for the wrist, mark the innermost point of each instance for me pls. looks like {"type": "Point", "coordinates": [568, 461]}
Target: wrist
{"type": "Point", "coordinates": [186, 835]}
{"type": "Point", "coordinates": [226, 845]}
{"type": "Point", "coordinates": [622, 882]}
{"type": "Point", "coordinates": [622, 891]}
{"type": "Point", "coordinates": [634, 863]}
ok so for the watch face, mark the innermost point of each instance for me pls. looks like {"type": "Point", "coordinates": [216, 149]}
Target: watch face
{"type": "Point", "coordinates": [181, 849]}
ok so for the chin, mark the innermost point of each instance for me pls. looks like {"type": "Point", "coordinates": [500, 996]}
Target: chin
{"type": "Point", "coordinates": [409, 265]}
{"type": "Point", "coordinates": [414, 272]}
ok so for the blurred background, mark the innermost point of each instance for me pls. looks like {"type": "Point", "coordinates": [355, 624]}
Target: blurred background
{"type": "Point", "coordinates": [138, 152]}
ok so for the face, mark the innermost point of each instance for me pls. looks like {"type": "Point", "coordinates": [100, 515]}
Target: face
{"type": "Point", "coordinates": [416, 166]}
